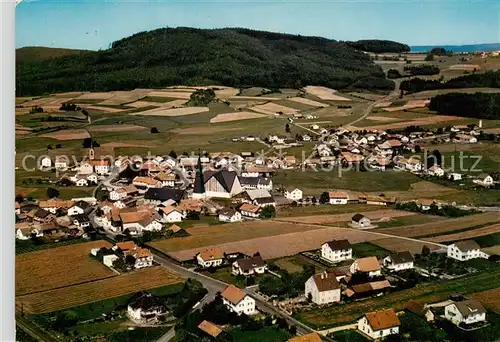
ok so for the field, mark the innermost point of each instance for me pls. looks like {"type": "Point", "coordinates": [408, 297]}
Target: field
{"type": "Point", "coordinates": [115, 128]}
{"type": "Point", "coordinates": [401, 245]}
{"type": "Point", "coordinates": [330, 219]}
{"type": "Point", "coordinates": [409, 105]}
{"type": "Point", "coordinates": [94, 291]}
{"type": "Point", "coordinates": [68, 134]}
{"type": "Point", "coordinates": [440, 227]}
{"type": "Point", "coordinates": [467, 234]}
{"type": "Point", "coordinates": [294, 213]}
{"type": "Point", "coordinates": [59, 267]}
{"type": "Point", "coordinates": [175, 111]}
{"type": "Point", "coordinates": [336, 315]}
{"type": "Point", "coordinates": [492, 250]}
{"type": "Point", "coordinates": [272, 108]}
{"type": "Point", "coordinates": [267, 334]}
{"type": "Point", "coordinates": [422, 121]}
{"type": "Point", "coordinates": [490, 299]}
{"type": "Point", "coordinates": [308, 102]}
{"type": "Point", "coordinates": [296, 263]}
{"type": "Point", "coordinates": [235, 117]}
{"type": "Point", "coordinates": [324, 93]}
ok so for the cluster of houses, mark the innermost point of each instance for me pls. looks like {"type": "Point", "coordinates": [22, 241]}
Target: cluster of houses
{"type": "Point", "coordinates": [134, 256]}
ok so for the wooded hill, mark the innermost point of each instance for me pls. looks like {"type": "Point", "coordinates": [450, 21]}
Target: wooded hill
{"type": "Point", "coordinates": [232, 57]}
{"type": "Point", "coordinates": [489, 79]}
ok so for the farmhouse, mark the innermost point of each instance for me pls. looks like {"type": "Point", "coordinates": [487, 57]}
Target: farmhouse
{"type": "Point", "coordinates": [238, 301]}
{"type": "Point", "coordinates": [338, 197]}
{"type": "Point", "coordinates": [465, 250]}
{"type": "Point", "coordinates": [101, 167]}
{"type": "Point", "coordinates": [484, 179]}
{"type": "Point", "coordinates": [435, 170]}
{"type": "Point", "coordinates": [453, 176]}
{"type": "Point", "coordinates": [249, 266]}
{"type": "Point", "coordinates": [166, 179]}
{"type": "Point", "coordinates": [61, 163]}
{"type": "Point", "coordinates": [229, 215]}
{"type": "Point", "coordinates": [53, 205]}
{"type": "Point", "coordinates": [250, 210]}
{"type": "Point", "coordinates": [45, 162]}
{"type": "Point", "coordinates": [146, 308]}
{"type": "Point", "coordinates": [293, 194]}
{"type": "Point", "coordinates": [146, 182]}
{"type": "Point", "coordinates": [379, 324]}
{"type": "Point", "coordinates": [323, 288]}
{"type": "Point", "coordinates": [336, 250]}
{"type": "Point", "coordinates": [465, 312]}
{"type": "Point", "coordinates": [399, 261]}
{"type": "Point", "coordinates": [80, 207]}
{"type": "Point", "coordinates": [210, 257]}
{"type": "Point", "coordinates": [369, 265]}
{"type": "Point", "coordinates": [465, 139]}
{"type": "Point", "coordinates": [425, 204]}
{"type": "Point", "coordinates": [143, 219]}
{"type": "Point", "coordinates": [360, 221]}
{"type": "Point", "coordinates": [171, 214]}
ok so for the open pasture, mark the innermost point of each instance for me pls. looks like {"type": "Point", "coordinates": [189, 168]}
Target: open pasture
{"type": "Point", "coordinates": [115, 128]}
{"type": "Point", "coordinates": [490, 299]}
{"type": "Point", "coordinates": [235, 116]}
{"type": "Point", "coordinates": [403, 245]}
{"type": "Point", "coordinates": [123, 97]}
{"type": "Point", "coordinates": [330, 219]}
{"type": "Point", "coordinates": [440, 227]}
{"type": "Point", "coordinates": [273, 108]}
{"type": "Point", "coordinates": [59, 267]}
{"type": "Point", "coordinates": [325, 93]}
{"type": "Point", "coordinates": [409, 105]}
{"type": "Point", "coordinates": [94, 291]}
{"type": "Point", "coordinates": [68, 134]}
{"type": "Point", "coordinates": [308, 102]}
{"type": "Point", "coordinates": [471, 234]}
{"type": "Point", "coordinates": [174, 111]}
{"type": "Point", "coordinates": [423, 121]}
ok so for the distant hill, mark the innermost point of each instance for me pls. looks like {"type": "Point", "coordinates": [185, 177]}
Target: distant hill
{"type": "Point", "coordinates": [458, 48]}
{"type": "Point", "coordinates": [41, 53]}
{"type": "Point", "coordinates": [232, 57]}
{"type": "Point", "coordinates": [379, 46]}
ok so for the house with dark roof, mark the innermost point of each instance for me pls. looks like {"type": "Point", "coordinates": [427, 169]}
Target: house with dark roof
{"type": "Point", "coordinates": [379, 324]}
{"type": "Point", "coordinates": [159, 195]}
{"type": "Point", "coordinates": [323, 288]}
{"type": "Point", "coordinates": [336, 250]}
{"type": "Point", "coordinates": [360, 221]}
{"type": "Point", "coordinates": [465, 312]}
{"type": "Point", "coordinates": [420, 310]}
{"type": "Point", "coordinates": [147, 308]}
{"type": "Point", "coordinates": [465, 250]}
{"type": "Point", "coordinates": [399, 261]}
{"type": "Point", "coordinates": [229, 215]}
{"type": "Point", "coordinates": [221, 184]}
{"type": "Point", "coordinates": [249, 266]}
{"type": "Point", "coordinates": [236, 300]}
{"type": "Point", "coordinates": [79, 207]}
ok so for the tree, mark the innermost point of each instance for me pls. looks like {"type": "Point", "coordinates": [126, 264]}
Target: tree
{"type": "Point", "coordinates": [89, 142]}
{"type": "Point", "coordinates": [154, 130]}
{"type": "Point", "coordinates": [130, 260]}
{"type": "Point", "coordinates": [324, 198]}
{"type": "Point", "coordinates": [120, 265]}
{"type": "Point", "coordinates": [426, 250]}
{"type": "Point", "coordinates": [85, 112]}
{"type": "Point", "coordinates": [52, 192]}
{"type": "Point", "coordinates": [49, 147]}
{"type": "Point", "coordinates": [173, 154]}
{"type": "Point", "coordinates": [418, 149]}
{"type": "Point", "coordinates": [202, 97]}
{"type": "Point", "coordinates": [393, 73]}
{"type": "Point", "coordinates": [287, 128]}
{"type": "Point", "coordinates": [268, 211]}
{"type": "Point", "coordinates": [64, 320]}
{"type": "Point", "coordinates": [429, 57]}
{"type": "Point", "coordinates": [58, 145]}
{"type": "Point", "coordinates": [19, 199]}
{"type": "Point", "coordinates": [314, 200]}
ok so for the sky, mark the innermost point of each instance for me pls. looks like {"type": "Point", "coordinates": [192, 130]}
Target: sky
{"type": "Point", "coordinates": [94, 24]}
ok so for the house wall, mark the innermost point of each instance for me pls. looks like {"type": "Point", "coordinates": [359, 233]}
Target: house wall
{"type": "Point", "coordinates": [153, 226]}
{"type": "Point", "coordinates": [323, 297]}
{"type": "Point", "coordinates": [338, 200]}
{"type": "Point", "coordinates": [246, 306]}
{"type": "Point", "coordinates": [174, 216]}
{"type": "Point", "coordinates": [364, 327]}
{"type": "Point", "coordinates": [75, 211]}
{"type": "Point", "coordinates": [294, 195]}
{"type": "Point", "coordinates": [455, 253]}
{"type": "Point", "coordinates": [335, 256]}
{"type": "Point", "coordinates": [452, 314]}
{"type": "Point", "coordinates": [143, 262]}
{"type": "Point", "coordinates": [86, 169]}
{"type": "Point", "coordinates": [203, 263]}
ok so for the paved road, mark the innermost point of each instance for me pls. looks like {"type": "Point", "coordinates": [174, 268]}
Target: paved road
{"type": "Point", "coordinates": [168, 336]}
{"type": "Point", "coordinates": [32, 330]}
{"type": "Point", "coordinates": [213, 286]}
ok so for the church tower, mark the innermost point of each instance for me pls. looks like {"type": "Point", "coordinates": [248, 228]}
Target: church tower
{"type": "Point", "coordinates": [199, 181]}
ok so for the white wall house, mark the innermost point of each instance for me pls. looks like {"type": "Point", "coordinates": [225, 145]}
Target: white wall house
{"type": "Point", "coordinates": [229, 215]}
{"type": "Point", "coordinates": [465, 250]}
{"type": "Point", "coordinates": [323, 288]}
{"type": "Point", "coordinates": [399, 261]}
{"type": "Point", "coordinates": [171, 214]}
{"type": "Point", "coordinates": [146, 308]}
{"type": "Point", "coordinates": [210, 257]}
{"type": "Point", "coordinates": [250, 210]}
{"type": "Point", "coordinates": [293, 194]}
{"type": "Point", "coordinates": [337, 197]}
{"type": "Point", "coordinates": [484, 180]}
{"type": "Point", "coordinates": [379, 324]}
{"type": "Point", "coordinates": [369, 265]}
{"type": "Point", "coordinates": [46, 162]}
{"type": "Point", "coordinates": [238, 301]}
{"type": "Point", "coordinates": [466, 312]}
{"type": "Point", "coordinates": [249, 266]}
{"type": "Point", "coordinates": [109, 259]}
{"type": "Point", "coordinates": [360, 221]}
{"type": "Point", "coordinates": [336, 250]}
{"type": "Point", "coordinates": [435, 171]}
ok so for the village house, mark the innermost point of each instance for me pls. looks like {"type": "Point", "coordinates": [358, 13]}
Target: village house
{"type": "Point", "coordinates": [250, 210]}
{"type": "Point", "coordinates": [465, 312]}
{"type": "Point", "coordinates": [85, 168]}
{"type": "Point", "coordinates": [360, 221]}
{"type": "Point", "coordinates": [377, 200]}
{"type": "Point", "coordinates": [140, 219]}
{"type": "Point", "coordinates": [53, 205]}
{"type": "Point", "coordinates": [336, 250]}
{"type": "Point", "coordinates": [146, 182]}
{"type": "Point", "coordinates": [421, 310]}
{"type": "Point", "coordinates": [45, 162]}
{"type": "Point", "coordinates": [123, 192]}
{"type": "Point", "coordinates": [81, 180]}
{"type": "Point", "coordinates": [238, 301]}
{"type": "Point", "coordinates": [364, 290]}
{"type": "Point", "coordinates": [465, 250]}
{"type": "Point", "coordinates": [101, 167]}
{"type": "Point", "coordinates": [252, 183]}
{"type": "Point", "coordinates": [61, 163]}
{"type": "Point", "coordinates": [369, 265]}
{"type": "Point", "coordinates": [465, 139]}
{"type": "Point", "coordinates": [229, 215]}
{"type": "Point", "coordinates": [146, 308]}
{"type": "Point", "coordinates": [435, 170]}
{"type": "Point", "coordinates": [171, 214]}
{"type": "Point", "coordinates": [338, 197]}
{"type": "Point", "coordinates": [79, 207]}
{"type": "Point", "coordinates": [425, 204]}
{"type": "Point", "coordinates": [411, 164]}
{"type": "Point", "coordinates": [143, 257]}
{"type": "Point", "coordinates": [166, 179]}
{"type": "Point", "coordinates": [160, 195]}
{"type": "Point", "coordinates": [249, 266]}
{"type": "Point", "coordinates": [210, 257]}
{"type": "Point", "coordinates": [81, 221]}
{"type": "Point", "coordinates": [399, 261]}
{"type": "Point", "coordinates": [323, 288]}
{"type": "Point", "coordinates": [453, 176]}
{"type": "Point", "coordinates": [379, 324]}
{"type": "Point", "coordinates": [484, 179]}
{"type": "Point", "coordinates": [293, 194]}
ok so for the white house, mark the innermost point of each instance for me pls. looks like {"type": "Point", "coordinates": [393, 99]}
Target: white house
{"type": "Point", "coordinates": [455, 176]}
{"type": "Point", "coordinates": [465, 139]}
{"type": "Point", "coordinates": [465, 250]}
{"type": "Point", "coordinates": [466, 312]}
{"type": "Point", "coordinates": [147, 308]}
{"type": "Point", "coordinates": [293, 194]}
{"type": "Point", "coordinates": [143, 257]}
{"type": "Point", "coordinates": [109, 259]}
{"type": "Point", "coordinates": [61, 163]}
{"type": "Point", "coordinates": [172, 214]}
{"type": "Point", "coordinates": [336, 250]}
{"type": "Point", "coordinates": [435, 170]}
{"type": "Point", "coordinates": [399, 261]}
{"type": "Point", "coordinates": [369, 265]}
{"type": "Point", "coordinates": [323, 288]}
{"type": "Point", "coordinates": [250, 210]}
{"type": "Point", "coordinates": [249, 266]}
{"type": "Point", "coordinates": [166, 179]}
{"type": "Point", "coordinates": [484, 180]}
{"type": "Point", "coordinates": [338, 197]}
{"type": "Point", "coordinates": [238, 301]}
{"type": "Point", "coordinates": [210, 257]}
{"type": "Point", "coordinates": [101, 167]}
{"type": "Point", "coordinates": [81, 181]}
{"type": "Point", "coordinates": [85, 168]}
{"type": "Point", "coordinates": [229, 215]}
{"type": "Point", "coordinates": [45, 162]}
{"type": "Point", "coordinates": [360, 221]}
{"type": "Point", "coordinates": [80, 207]}
{"type": "Point", "coordinates": [379, 324]}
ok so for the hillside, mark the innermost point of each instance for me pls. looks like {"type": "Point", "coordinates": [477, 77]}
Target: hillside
{"type": "Point", "coordinates": [39, 53]}
{"type": "Point", "coordinates": [232, 57]}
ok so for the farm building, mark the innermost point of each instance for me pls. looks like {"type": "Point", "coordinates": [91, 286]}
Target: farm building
{"type": "Point", "coordinates": [249, 266]}
{"type": "Point", "coordinates": [323, 288]}
{"type": "Point", "coordinates": [369, 265]}
{"type": "Point", "coordinates": [379, 324]}
{"type": "Point", "coordinates": [338, 197]}
{"type": "Point", "coordinates": [465, 250]}
{"type": "Point", "coordinates": [399, 261]}
{"type": "Point", "coordinates": [465, 312]}
{"type": "Point", "coordinates": [210, 257]}
{"type": "Point", "coordinates": [336, 250]}
{"type": "Point", "coordinates": [238, 301]}
{"type": "Point", "coordinates": [360, 221]}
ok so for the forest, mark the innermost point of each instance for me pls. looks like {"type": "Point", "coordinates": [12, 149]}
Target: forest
{"type": "Point", "coordinates": [230, 57]}
{"type": "Point", "coordinates": [489, 79]}
{"type": "Point", "coordinates": [379, 46]}
{"type": "Point", "coordinates": [477, 105]}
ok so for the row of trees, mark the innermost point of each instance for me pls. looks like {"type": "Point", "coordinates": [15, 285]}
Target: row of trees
{"type": "Point", "coordinates": [445, 210]}
{"type": "Point", "coordinates": [477, 105]}
{"type": "Point", "coordinates": [422, 70]}
{"type": "Point", "coordinates": [489, 79]}
{"type": "Point", "coordinates": [379, 46]}
{"type": "Point", "coordinates": [231, 57]}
